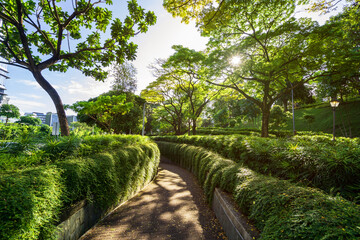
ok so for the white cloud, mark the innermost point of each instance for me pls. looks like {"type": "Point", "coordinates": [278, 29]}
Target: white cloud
{"type": "Point", "coordinates": [27, 106]}
{"type": "Point", "coordinates": [30, 83]}
{"type": "Point", "coordinates": [31, 96]}
{"type": "Point", "coordinates": [83, 89]}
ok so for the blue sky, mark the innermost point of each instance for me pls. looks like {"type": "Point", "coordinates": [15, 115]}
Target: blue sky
{"type": "Point", "coordinates": [72, 86]}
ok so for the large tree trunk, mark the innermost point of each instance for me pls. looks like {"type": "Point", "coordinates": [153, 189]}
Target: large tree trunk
{"type": "Point", "coordinates": [285, 103]}
{"type": "Point", "coordinates": [265, 122]}
{"type": "Point", "coordinates": [194, 126]}
{"type": "Point", "coordinates": [64, 127]}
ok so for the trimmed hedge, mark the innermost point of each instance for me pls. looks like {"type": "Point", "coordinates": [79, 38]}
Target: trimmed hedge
{"type": "Point", "coordinates": [33, 199]}
{"type": "Point", "coordinates": [315, 161]}
{"type": "Point", "coordinates": [254, 132]}
{"type": "Point", "coordinates": [31, 153]}
{"type": "Point", "coordinates": [278, 208]}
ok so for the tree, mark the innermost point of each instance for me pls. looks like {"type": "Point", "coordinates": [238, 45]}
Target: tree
{"type": "Point", "coordinates": [274, 46]}
{"type": "Point", "coordinates": [302, 94]}
{"type": "Point", "coordinates": [124, 77]}
{"type": "Point", "coordinates": [103, 109]}
{"type": "Point", "coordinates": [171, 101]}
{"type": "Point", "coordinates": [187, 70]}
{"type": "Point", "coordinates": [28, 120]}
{"type": "Point", "coordinates": [33, 35]}
{"type": "Point", "coordinates": [183, 75]}
{"type": "Point", "coordinates": [9, 111]}
{"type": "Point", "coordinates": [278, 116]}
{"type": "Point", "coordinates": [342, 53]}
{"type": "Point", "coordinates": [128, 122]}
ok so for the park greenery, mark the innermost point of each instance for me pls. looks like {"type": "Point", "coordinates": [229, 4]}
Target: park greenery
{"type": "Point", "coordinates": [224, 113]}
{"type": "Point", "coordinates": [278, 208]}
{"type": "Point", "coordinates": [34, 33]}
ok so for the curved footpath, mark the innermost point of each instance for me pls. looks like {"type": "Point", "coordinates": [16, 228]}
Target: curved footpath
{"type": "Point", "coordinates": [173, 206]}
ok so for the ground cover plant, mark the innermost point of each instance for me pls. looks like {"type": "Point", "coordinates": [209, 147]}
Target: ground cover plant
{"type": "Point", "coordinates": [316, 161]}
{"type": "Point", "coordinates": [279, 209]}
{"type": "Point", "coordinates": [103, 169]}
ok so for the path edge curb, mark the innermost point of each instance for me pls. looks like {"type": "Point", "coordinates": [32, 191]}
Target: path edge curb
{"type": "Point", "coordinates": [233, 222]}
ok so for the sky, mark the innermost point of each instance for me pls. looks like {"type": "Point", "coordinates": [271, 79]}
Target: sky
{"type": "Point", "coordinates": [25, 93]}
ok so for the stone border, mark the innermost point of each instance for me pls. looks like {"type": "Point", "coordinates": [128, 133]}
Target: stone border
{"type": "Point", "coordinates": [234, 223]}
{"type": "Point", "coordinates": [82, 217]}
{"type": "Point", "coordinates": [79, 222]}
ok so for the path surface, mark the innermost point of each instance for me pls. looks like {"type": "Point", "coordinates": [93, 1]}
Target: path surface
{"type": "Point", "coordinates": [171, 207]}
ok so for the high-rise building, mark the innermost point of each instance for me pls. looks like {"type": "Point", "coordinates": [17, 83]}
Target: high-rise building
{"type": "Point", "coordinates": [3, 75]}
{"type": "Point", "coordinates": [39, 115]}
{"type": "Point", "coordinates": [51, 118]}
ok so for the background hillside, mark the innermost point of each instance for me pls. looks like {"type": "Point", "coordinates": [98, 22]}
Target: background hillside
{"type": "Point", "coordinates": [347, 119]}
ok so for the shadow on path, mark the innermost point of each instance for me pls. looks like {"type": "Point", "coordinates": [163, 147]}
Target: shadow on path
{"type": "Point", "coordinates": [173, 206]}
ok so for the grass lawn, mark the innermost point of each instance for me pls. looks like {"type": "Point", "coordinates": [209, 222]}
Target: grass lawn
{"type": "Point", "coordinates": [347, 119]}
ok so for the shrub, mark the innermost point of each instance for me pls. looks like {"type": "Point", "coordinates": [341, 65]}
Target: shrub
{"type": "Point", "coordinates": [315, 161]}
{"type": "Point", "coordinates": [32, 199]}
{"type": "Point", "coordinates": [279, 209]}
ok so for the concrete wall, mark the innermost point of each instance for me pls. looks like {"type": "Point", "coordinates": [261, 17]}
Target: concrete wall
{"type": "Point", "coordinates": [79, 222]}
{"type": "Point", "coordinates": [234, 223]}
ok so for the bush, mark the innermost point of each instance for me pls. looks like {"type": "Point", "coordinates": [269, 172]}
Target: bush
{"type": "Point", "coordinates": [315, 161]}
{"type": "Point", "coordinates": [279, 209]}
{"type": "Point", "coordinates": [32, 199]}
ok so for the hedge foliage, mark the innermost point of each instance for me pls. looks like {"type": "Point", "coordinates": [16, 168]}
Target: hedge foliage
{"type": "Point", "coordinates": [279, 209]}
{"type": "Point", "coordinates": [28, 151]}
{"type": "Point", "coordinates": [317, 161]}
{"type": "Point", "coordinates": [107, 172]}
{"type": "Point", "coordinates": [255, 132]}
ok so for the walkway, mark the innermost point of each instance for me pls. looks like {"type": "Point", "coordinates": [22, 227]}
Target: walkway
{"type": "Point", "coordinates": [171, 207]}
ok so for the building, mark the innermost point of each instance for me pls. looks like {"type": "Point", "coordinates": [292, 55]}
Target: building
{"type": "Point", "coordinates": [51, 118]}
{"type": "Point", "coordinates": [3, 75]}
{"type": "Point", "coordinates": [39, 115]}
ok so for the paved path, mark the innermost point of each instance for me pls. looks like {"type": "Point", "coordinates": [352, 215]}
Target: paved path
{"type": "Point", "coordinates": [171, 207]}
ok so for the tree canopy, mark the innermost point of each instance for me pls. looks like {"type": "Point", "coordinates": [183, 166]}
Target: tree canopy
{"type": "Point", "coordinates": [34, 35]}
{"type": "Point", "coordinates": [275, 49]}
{"type": "Point", "coordinates": [103, 109]}
{"type": "Point", "coordinates": [9, 111]}
{"type": "Point", "coordinates": [182, 77]}
{"type": "Point", "coordinates": [28, 120]}
{"type": "Point", "coordinates": [124, 77]}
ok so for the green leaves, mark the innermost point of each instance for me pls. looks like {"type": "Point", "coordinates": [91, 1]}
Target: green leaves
{"type": "Point", "coordinates": [103, 109]}
{"type": "Point", "coordinates": [49, 24]}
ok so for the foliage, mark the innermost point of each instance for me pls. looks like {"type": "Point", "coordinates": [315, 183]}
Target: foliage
{"type": "Point", "coordinates": [278, 116]}
{"type": "Point", "coordinates": [33, 198]}
{"type": "Point", "coordinates": [82, 129]}
{"type": "Point", "coordinates": [33, 35]}
{"type": "Point", "coordinates": [309, 119]}
{"type": "Point", "coordinates": [28, 120]}
{"type": "Point", "coordinates": [129, 122]}
{"type": "Point", "coordinates": [315, 161]}
{"type": "Point", "coordinates": [347, 122]}
{"type": "Point", "coordinates": [9, 111]}
{"type": "Point", "coordinates": [12, 131]}
{"type": "Point", "coordinates": [343, 59]}
{"type": "Point", "coordinates": [279, 209]}
{"type": "Point", "coordinates": [103, 109]}
{"type": "Point", "coordinates": [124, 77]}
{"type": "Point", "coordinates": [181, 88]}
{"type": "Point", "coordinates": [275, 48]}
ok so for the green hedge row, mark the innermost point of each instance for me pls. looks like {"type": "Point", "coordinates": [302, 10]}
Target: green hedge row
{"type": "Point", "coordinates": [315, 161]}
{"type": "Point", "coordinates": [255, 132]}
{"type": "Point", "coordinates": [30, 153]}
{"type": "Point", "coordinates": [278, 208]}
{"type": "Point", "coordinates": [33, 199]}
